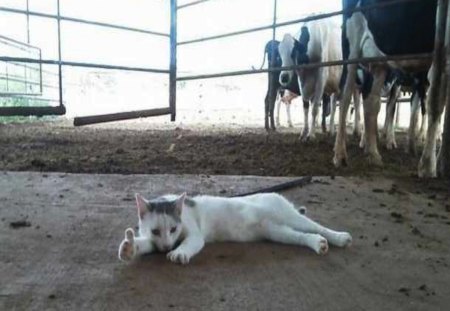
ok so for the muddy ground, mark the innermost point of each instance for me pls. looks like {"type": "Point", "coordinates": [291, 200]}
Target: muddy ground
{"type": "Point", "coordinates": [141, 147]}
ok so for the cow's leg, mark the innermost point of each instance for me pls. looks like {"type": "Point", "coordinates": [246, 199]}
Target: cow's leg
{"type": "Point", "coordinates": [413, 122]}
{"type": "Point", "coordinates": [325, 111]}
{"type": "Point", "coordinates": [278, 103]}
{"type": "Point", "coordinates": [427, 164]}
{"type": "Point", "coordinates": [340, 148]}
{"type": "Point", "coordinates": [357, 104]}
{"type": "Point", "coordinates": [266, 111]}
{"type": "Point", "coordinates": [305, 119]}
{"type": "Point", "coordinates": [423, 128]}
{"type": "Point", "coordinates": [288, 112]}
{"type": "Point", "coordinates": [390, 113]}
{"type": "Point", "coordinates": [332, 114]}
{"type": "Point", "coordinates": [371, 110]}
{"type": "Point", "coordinates": [271, 97]}
{"type": "Point", "coordinates": [318, 95]}
{"type": "Point", "coordinates": [272, 114]}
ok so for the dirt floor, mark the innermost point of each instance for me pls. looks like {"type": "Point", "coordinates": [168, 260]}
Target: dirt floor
{"type": "Point", "coordinates": [146, 148]}
{"type": "Point", "coordinates": [59, 235]}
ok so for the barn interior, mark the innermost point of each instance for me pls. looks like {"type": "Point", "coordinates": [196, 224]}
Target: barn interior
{"type": "Point", "coordinates": [102, 101]}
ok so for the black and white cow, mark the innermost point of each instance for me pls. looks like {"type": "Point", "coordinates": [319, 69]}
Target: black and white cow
{"type": "Point", "coordinates": [402, 28]}
{"type": "Point", "coordinates": [318, 41]}
{"type": "Point", "coordinates": [285, 93]}
{"type": "Point", "coordinates": [274, 87]}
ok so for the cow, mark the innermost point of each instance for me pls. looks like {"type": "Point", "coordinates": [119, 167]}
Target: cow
{"type": "Point", "coordinates": [287, 92]}
{"type": "Point", "coordinates": [318, 41]}
{"type": "Point", "coordinates": [401, 28]}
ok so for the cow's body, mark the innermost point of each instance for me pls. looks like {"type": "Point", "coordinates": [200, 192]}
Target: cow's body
{"type": "Point", "coordinates": [318, 41]}
{"type": "Point", "coordinates": [394, 30]}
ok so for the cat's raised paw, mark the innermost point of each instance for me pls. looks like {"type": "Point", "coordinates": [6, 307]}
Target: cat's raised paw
{"type": "Point", "coordinates": [344, 239]}
{"type": "Point", "coordinates": [127, 249]}
{"type": "Point", "coordinates": [178, 256]}
{"type": "Point", "coordinates": [321, 246]}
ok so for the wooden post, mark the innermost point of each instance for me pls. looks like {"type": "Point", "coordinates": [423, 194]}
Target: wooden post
{"type": "Point", "coordinates": [444, 153]}
{"type": "Point", "coordinates": [173, 60]}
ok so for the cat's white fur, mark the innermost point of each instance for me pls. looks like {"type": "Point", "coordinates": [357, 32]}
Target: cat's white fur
{"type": "Point", "coordinates": [266, 216]}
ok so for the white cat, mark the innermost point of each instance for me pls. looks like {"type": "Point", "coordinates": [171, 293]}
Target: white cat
{"type": "Point", "coordinates": [168, 220]}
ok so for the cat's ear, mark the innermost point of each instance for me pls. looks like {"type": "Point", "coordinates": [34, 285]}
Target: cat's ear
{"type": "Point", "coordinates": [180, 203]}
{"type": "Point", "coordinates": [141, 204]}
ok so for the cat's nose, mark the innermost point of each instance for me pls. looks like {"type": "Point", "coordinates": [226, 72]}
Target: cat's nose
{"type": "Point", "coordinates": [165, 248]}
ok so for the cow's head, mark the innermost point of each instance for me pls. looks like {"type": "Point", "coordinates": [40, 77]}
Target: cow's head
{"type": "Point", "coordinates": [293, 52]}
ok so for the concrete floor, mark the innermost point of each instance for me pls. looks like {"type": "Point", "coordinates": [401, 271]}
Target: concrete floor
{"type": "Point", "coordinates": [67, 258]}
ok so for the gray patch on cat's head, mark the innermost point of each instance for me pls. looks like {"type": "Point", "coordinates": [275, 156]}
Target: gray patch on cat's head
{"type": "Point", "coordinates": [162, 205]}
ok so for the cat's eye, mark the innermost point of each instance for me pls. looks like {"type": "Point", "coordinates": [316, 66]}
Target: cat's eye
{"type": "Point", "coordinates": [173, 229]}
{"type": "Point", "coordinates": [156, 232]}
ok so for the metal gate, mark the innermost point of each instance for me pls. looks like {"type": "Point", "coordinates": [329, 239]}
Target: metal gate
{"type": "Point", "coordinates": [32, 62]}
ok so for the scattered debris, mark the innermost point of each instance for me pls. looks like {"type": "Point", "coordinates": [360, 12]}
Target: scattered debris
{"type": "Point", "coordinates": [52, 296]}
{"type": "Point", "coordinates": [404, 290]}
{"type": "Point", "coordinates": [45, 175]}
{"type": "Point", "coordinates": [416, 231]}
{"type": "Point", "coordinates": [385, 239]}
{"type": "Point", "coordinates": [376, 244]}
{"type": "Point", "coordinates": [19, 224]}
{"type": "Point", "coordinates": [432, 197]}
{"type": "Point", "coordinates": [383, 205]}
{"type": "Point", "coordinates": [100, 185]}
{"type": "Point", "coordinates": [127, 199]}
{"type": "Point", "coordinates": [398, 217]}
{"type": "Point", "coordinates": [378, 190]}
{"type": "Point", "coordinates": [120, 151]}
{"type": "Point", "coordinates": [48, 236]}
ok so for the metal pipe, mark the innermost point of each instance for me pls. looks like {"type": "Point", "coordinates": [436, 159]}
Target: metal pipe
{"type": "Point", "coordinates": [79, 64]}
{"type": "Point", "coordinates": [297, 21]}
{"type": "Point", "coordinates": [60, 82]}
{"type": "Point", "coordinates": [173, 60]}
{"type": "Point", "coordinates": [79, 121]}
{"type": "Point", "coordinates": [83, 21]}
{"type": "Point", "coordinates": [377, 60]}
{"type": "Point", "coordinates": [31, 111]}
{"type": "Point", "coordinates": [191, 4]}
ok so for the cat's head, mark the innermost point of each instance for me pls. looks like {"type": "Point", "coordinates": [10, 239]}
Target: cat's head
{"type": "Point", "coordinates": [160, 218]}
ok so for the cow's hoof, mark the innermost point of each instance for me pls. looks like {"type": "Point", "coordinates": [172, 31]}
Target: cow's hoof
{"type": "Point", "coordinates": [427, 167]}
{"type": "Point", "coordinates": [390, 145]}
{"type": "Point", "coordinates": [374, 160]}
{"type": "Point", "coordinates": [304, 136]}
{"type": "Point", "coordinates": [340, 160]}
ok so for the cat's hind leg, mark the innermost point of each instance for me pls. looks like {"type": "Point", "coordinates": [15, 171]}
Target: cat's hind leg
{"type": "Point", "coordinates": [133, 246]}
{"type": "Point", "coordinates": [286, 235]}
{"type": "Point", "coordinates": [304, 224]}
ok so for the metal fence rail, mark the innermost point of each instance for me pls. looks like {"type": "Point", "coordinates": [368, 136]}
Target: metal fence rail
{"type": "Point", "coordinates": [23, 111]}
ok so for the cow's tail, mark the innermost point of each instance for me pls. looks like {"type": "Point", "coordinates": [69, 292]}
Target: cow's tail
{"type": "Point", "coordinates": [264, 59]}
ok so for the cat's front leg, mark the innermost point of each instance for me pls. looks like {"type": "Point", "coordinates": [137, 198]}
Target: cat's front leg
{"type": "Point", "coordinates": [187, 249]}
{"type": "Point", "coordinates": [132, 246]}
